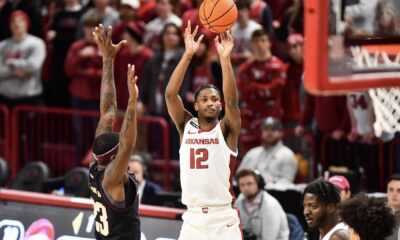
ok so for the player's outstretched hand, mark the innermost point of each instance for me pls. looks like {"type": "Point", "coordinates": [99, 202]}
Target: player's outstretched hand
{"type": "Point", "coordinates": [224, 43]}
{"type": "Point", "coordinates": [191, 45]}
{"type": "Point", "coordinates": [103, 40]}
{"type": "Point", "coordinates": [132, 79]}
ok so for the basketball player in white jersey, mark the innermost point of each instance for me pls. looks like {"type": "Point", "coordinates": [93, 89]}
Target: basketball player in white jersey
{"type": "Point", "coordinates": [208, 145]}
{"type": "Point", "coordinates": [320, 200]}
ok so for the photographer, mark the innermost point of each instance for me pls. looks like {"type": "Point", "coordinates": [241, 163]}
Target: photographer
{"type": "Point", "coordinates": [261, 215]}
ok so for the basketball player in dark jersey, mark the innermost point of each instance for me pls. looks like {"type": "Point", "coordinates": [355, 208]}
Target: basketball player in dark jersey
{"type": "Point", "coordinates": [113, 190]}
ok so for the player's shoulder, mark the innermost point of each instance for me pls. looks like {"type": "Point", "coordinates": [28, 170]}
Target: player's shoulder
{"type": "Point", "coordinates": [340, 234]}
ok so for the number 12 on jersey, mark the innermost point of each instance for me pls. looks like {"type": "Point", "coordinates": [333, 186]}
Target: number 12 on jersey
{"type": "Point", "coordinates": [198, 158]}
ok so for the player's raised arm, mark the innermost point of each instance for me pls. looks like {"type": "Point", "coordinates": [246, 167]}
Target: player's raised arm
{"type": "Point", "coordinates": [108, 100]}
{"type": "Point", "coordinates": [115, 172]}
{"type": "Point", "coordinates": [174, 102]}
{"type": "Point", "coordinates": [231, 120]}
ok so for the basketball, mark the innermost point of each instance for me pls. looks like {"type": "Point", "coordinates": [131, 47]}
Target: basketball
{"type": "Point", "coordinates": [218, 15]}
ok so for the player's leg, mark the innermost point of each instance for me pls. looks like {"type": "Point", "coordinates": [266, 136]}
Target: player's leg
{"type": "Point", "coordinates": [228, 225]}
{"type": "Point", "coordinates": [191, 227]}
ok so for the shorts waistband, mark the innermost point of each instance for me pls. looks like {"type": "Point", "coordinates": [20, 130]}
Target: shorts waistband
{"type": "Point", "coordinates": [209, 209]}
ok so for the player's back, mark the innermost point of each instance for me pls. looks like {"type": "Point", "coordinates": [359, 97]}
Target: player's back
{"type": "Point", "coordinates": [114, 220]}
{"type": "Point", "coordinates": [204, 164]}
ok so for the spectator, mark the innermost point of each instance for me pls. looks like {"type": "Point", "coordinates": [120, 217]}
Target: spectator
{"type": "Point", "coordinates": [262, 14]}
{"type": "Point", "coordinates": [62, 34]}
{"type": "Point", "coordinates": [5, 11]}
{"type": "Point", "coordinates": [393, 197]}
{"type": "Point", "coordinates": [242, 31]}
{"type": "Point", "coordinates": [127, 13]}
{"type": "Point", "coordinates": [261, 79]}
{"type": "Point", "coordinates": [260, 213]}
{"type": "Point", "coordinates": [360, 17]}
{"type": "Point", "coordinates": [84, 66]}
{"type": "Point", "coordinates": [33, 10]}
{"type": "Point", "coordinates": [134, 53]}
{"type": "Point", "coordinates": [291, 102]}
{"type": "Point", "coordinates": [155, 27]}
{"type": "Point", "coordinates": [21, 59]}
{"type": "Point", "coordinates": [275, 161]}
{"type": "Point", "coordinates": [367, 218]}
{"type": "Point", "coordinates": [146, 189]}
{"type": "Point", "coordinates": [320, 200]}
{"type": "Point", "coordinates": [156, 76]}
{"type": "Point", "coordinates": [342, 185]}
{"type": "Point", "coordinates": [292, 21]}
{"type": "Point", "coordinates": [387, 19]}
{"type": "Point", "coordinates": [101, 9]}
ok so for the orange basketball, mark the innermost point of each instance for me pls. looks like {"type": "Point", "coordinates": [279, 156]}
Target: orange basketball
{"type": "Point", "coordinates": [218, 15]}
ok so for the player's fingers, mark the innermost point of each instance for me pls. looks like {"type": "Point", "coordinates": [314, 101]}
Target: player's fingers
{"type": "Point", "coordinates": [109, 33]}
{"type": "Point", "coordinates": [189, 26]}
{"type": "Point", "coordinates": [195, 30]}
{"type": "Point", "coordinates": [120, 44]}
{"type": "Point", "coordinates": [216, 39]}
{"type": "Point", "coordinates": [200, 38]}
{"type": "Point", "coordinates": [129, 70]}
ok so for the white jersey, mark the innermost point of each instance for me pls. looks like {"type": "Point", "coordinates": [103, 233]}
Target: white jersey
{"type": "Point", "coordinates": [361, 107]}
{"type": "Point", "coordinates": [204, 164]}
{"type": "Point", "coordinates": [339, 226]}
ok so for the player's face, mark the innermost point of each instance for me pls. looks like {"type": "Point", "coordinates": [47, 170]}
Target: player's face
{"type": "Point", "coordinates": [18, 25]}
{"type": "Point", "coordinates": [393, 194]}
{"type": "Point", "coordinates": [248, 186]}
{"type": "Point", "coordinates": [136, 169]}
{"type": "Point", "coordinates": [270, 136]}
{"type": "Point", "coordinates": [208, 103]}
{"type": "Point", "coordinates": [314, 212]}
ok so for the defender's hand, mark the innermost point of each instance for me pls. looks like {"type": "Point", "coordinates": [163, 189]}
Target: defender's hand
{"type": "Point", "coordinates": [106, 48]}
{"type": "Point", "coordinates": [224, 43]}
{"type": "Point", "coordinates": [132, 86]}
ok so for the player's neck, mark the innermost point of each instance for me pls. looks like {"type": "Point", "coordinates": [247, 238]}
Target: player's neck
{"type": "Point", "coordinates": [330, 223]}
{"type": "Point", "coordinates": [206, 124]}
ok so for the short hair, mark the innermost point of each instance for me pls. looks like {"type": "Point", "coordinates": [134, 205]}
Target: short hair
{"type": "Point", "coordinates": [394, 177]}
{"type": "Point", "coordinates": [105, 142]}
{"type": "Point", "coordinates": [247, 172]}
{"type": "Point", "coordinates": [369, 217]}
{"type": "Point", "coordinates": [325, 191]}
{"type": "Point", "coordinates": [205, 86]}
{"type": "Point", "coordinates": [259, 33]}
{"type": "Point", "coordinates": [242, 4]}
{"type": "Point", "coordinates": [91, 20]}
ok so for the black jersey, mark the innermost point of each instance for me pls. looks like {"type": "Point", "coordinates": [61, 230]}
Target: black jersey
{"type": "Point", "coordinates": [112, 222]}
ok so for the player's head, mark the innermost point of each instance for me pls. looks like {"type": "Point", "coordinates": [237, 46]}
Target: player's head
{"type": "Point", "coordinates": [137, 167]}
{"type": "Point", "coordinates": [271, 131]}
{"type": "Point", "coordinates": [342, 185]}
{"type": "Point", "coordinates": [367, 218]}
{"type": "Point", "coordinates": [260, 41]}
{"type": "Point", "coordinates": [207, 101]}
{"type": "Point", "coordinates": [393, 192]}
{"type": "Point", "coordinates": [320, 200]}
{"type": "Point", "coordinates": [105, 147]}
{"type": "Point", "coordinates": [19, 22]}
{"type": "Point", "coordinates": [249, 182]}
